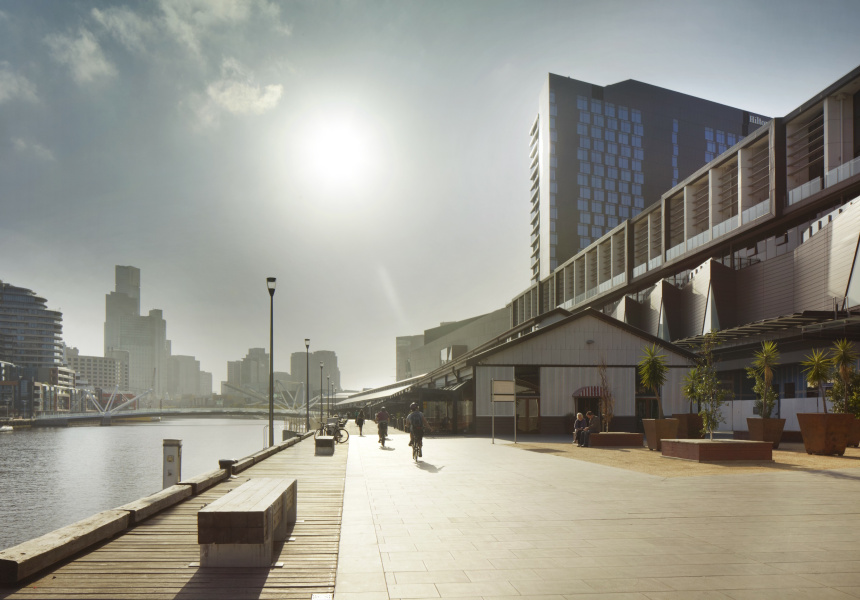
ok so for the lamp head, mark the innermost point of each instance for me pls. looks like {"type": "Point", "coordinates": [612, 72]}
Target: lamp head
{"type": "Point", "coordinates": [307, 343]}
{"type": "Point", "coordinates": [270, 283]}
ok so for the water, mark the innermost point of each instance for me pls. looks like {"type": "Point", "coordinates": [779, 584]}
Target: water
{"type": "Point", "coordinates": [52, 477]}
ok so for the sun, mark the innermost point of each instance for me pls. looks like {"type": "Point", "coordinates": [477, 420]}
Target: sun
{"type": "Point", "coordinates": [340, 152]}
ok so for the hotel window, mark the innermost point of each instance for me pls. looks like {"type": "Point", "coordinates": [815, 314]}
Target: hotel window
{"type": "Point", "coordinates": [553, 135]}
{"type": "Point", "coordinates": [598, 120]}
{"type": "Point", "coordinates": [623, 138]}
{"type": "Point", "coordinates": [552, 174]}
{"type": "Point", "coordinates": [639, 202]}
{"type": "Point", "coordinates": [609, 136]}
{"type": "Point", "coordinates": [635, 116]}
{"type": "Point", "coordinates": [582, 154]}
{"type": "Point", "coordinates": [637, 190]}
{"type": "Point", "coordinates": [553, 110]}
{"type": "Point", "coordinates": [598, 145]}
{"type": "Point", "coordinates": [552, 122]}
{"type": "Point", "coordinates": [731, 138]}
{"type": "Point", "coordinates": [598, 195]}
{"type": "Point", "coordinates": [581, 129]}
{"type": "Point", "coordinates": [585, 168]}
{"type": "Point", "coordinates": [584, 117]}
{"type": "Point", "coordinates": [595, 106]}
{"type": "Point", "coordinates": [609, 109]}
{"type": "Point", "coordinates": [553, 187]}
{"type": "Point", "coordinates": [610, 161]}
{"type": "Point", "coordinates": [675, 162]}
{"type": "Point", "coordinates": [711, 147]}
{"type": "Point", "coordinates": [596, 182]}
{"type": "Point", "coordinates": [581, 204]}
{"type": "Point", "coordinates": [553, 238]}
{"type": "Point", "coordinates": [639, 177]}
{"type": "Point", "coordinates": [638, 154]}
{"type": "Point", "coordinates": [584, 142]}
{"type": "Point", "coordinates": [709, 156]}
{"type": "Point", "coordinates": [638, 130]}
{"type": "Point", "coordinates": [584, 243]}
{"type": "Point", "coordinates": [626, 127]}
{"type": "Point", "coordinates": [624, 163]}
{"type": "Point", "coordinates": [552, 225]}
{"type": "Point", "coordinates": [585, 217]}
{"type": "Point", "coordinates": [553, 161]}
{"type": "Point", "coordinates": [582, 229]}
{"type": "Point", "coordinates": [582, 179]}
{"type": "Point", "coordinates": [623, 187]}
{"type": "Point", "coordinates": [609, 209]}
{"type": "Point", "coordinates": [626, 200]}
{"type": "Point", "coordinates": [612, 124]}
{"type": "Point", "coordinates": [582, 103]}
{"type": "Point", "coordinates": [721, 137]}
{"type": "Point", "coordinates": [598, 170]}
{"type": "Point", "coordinates": [596, 132]}
{"type": "Point", "coordinates": [552, 96]}
{"type": "Point", "coordinates": [613, 173]}
{"type": "Point", "coordinates": [675, 125]}
{"type": "Point", "coordinates": [612, 221]}
{"type": "Point", "coordinates": [674, 138]}
{"type": "Point", "coordinates": [637, 166]}
{"type": "Point", "coordinates": [637, 141]}
{"type": "Point", "coordinates": [596, 232]}
{"type": "Point", "coordinates": [709, 134]}
{"type": "Point", "coordinates": [596, 207]}
{"type": "Point", "coordinates": [596, 157]}
{"type": "Point", "coordinates": [609, 184]}
{"type": "Point", "coordinates": [612, 148]}
{"type": "Point", "coordinates": [622, 113]}
{"type": "Point", "coordinates": [612, 197]}
{"type": "Point", "coordinates": [624, 212]}
{"type": "Point", "coordinates": [553, 213]}
{"type": "Point", "coordinates": [585, 192]}
{"type": "Point", "coordinates": [636, 212]}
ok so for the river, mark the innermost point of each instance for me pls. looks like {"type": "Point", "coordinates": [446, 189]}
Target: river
{"type": "Point", "coordinates": [51, 477]}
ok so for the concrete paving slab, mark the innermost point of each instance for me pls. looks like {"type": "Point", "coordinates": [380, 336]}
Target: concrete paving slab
{"type": "Point", "coordinates": [479, 520]}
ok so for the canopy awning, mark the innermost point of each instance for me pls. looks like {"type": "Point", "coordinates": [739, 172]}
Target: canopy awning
{"type": "Point", "coordinates": [375, 395]}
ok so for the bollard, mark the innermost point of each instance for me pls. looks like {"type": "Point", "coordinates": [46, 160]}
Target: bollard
{"type": "Point", "coordinates": [172, 466]}
{"type": "Point", "coordinates": [227, 463]}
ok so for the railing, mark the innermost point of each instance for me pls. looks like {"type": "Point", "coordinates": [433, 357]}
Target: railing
{"type": "Point", "coordinates": [755, 212]}
{"type": "Point", "coordinates": [619, 279]}
{"type": "Point", "coordinates": [698, 240]}
{"type": "Point", "coordinates": [639, 269]}
{"type": "Point", "coordinates": [725, 227]}
{"type": "Point", "coordinates": [675, 251]}
{"type": "Point", "coordinates": [804, 191]}
{"type": "Point", "coordinates": [841, 173]}
{"type": "Point", "coordinates": [655, 262]}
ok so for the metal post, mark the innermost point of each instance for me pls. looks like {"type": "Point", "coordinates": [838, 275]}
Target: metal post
{"type": "Point", "coordinates": [270, 284]}
{"type": "Point", "coordinates": [328, 389]}
{"type": "Point", "coordinates": [321, 402]}
{"type": "Point", "coordinates": [307, 385]}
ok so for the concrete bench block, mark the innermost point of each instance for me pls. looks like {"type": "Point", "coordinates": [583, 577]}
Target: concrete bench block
{"type": "Point", "coordinates": [243, 464]}
{"type": "Point", "coordinates": [205, 481]}
{"type": "Point", "coordinates": [717, 450]}
{"type": "Point", "coordinates": [324, 445]}
{"type": "Point", "coordinates": [146, 507]}
{"type": "Point", "coordinates": [32, 556]}
{"type": "Point", "coordinates": [240, 528]}
{"type": "Point", "coordinates": [264, 454]}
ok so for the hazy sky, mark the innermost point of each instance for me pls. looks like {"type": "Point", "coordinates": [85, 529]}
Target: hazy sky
{"type": "Point", "coordinates": [370, 155]}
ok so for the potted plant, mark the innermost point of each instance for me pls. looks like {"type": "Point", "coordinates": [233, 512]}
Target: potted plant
{"type": "Point", "coordinates": [837, 397]}
{"type": "Point", "coordinates": [709, 395]}
{"type": "Point", "coordinates": [765, 428]}
{"type": "Point", "coordinates": [827, 433]}
{"type": "Point", "coordinates": [652, 372]}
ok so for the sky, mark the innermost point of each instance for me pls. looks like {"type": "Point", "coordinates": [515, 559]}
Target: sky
{"type": "Point", "coordinates": [373, 156]}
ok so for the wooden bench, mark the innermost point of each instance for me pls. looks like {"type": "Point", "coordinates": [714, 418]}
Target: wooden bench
{"type": "Point", "coordinates": [324, 445]}
{"type": "Point", "coordinates": [606, 439]}
{"type": "Point", "coordinates": [240, 528]}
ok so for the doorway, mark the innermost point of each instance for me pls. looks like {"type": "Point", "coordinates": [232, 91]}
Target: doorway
{"type": "Point", "coordinates": [528, 414]}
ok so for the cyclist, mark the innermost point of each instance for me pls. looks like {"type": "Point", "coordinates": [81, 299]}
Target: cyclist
{"type": "Point", "coordinates": [417, 423]}
{"type": "Point", "coordinates": [382, 423]}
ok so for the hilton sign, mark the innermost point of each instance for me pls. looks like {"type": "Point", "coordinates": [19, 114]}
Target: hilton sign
{"type": "Point", "coordinates": [757, 120]}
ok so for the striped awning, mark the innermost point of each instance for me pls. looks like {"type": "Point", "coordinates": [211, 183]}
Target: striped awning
{"type": "Point", "coordinates": [589, 391]}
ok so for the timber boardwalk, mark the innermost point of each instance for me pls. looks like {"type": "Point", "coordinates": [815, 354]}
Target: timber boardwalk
{"type": "Point", "coordinates": [151, 560]}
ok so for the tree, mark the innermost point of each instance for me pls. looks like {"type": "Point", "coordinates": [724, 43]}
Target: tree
{"type": "Point", "coordinates": [710, 395]}
{"type": "Point", "coordinates": [842, 357]}
{"type": "Point", "coordinates": [837, 394]}
{"type": "Point", "coordinates": [653, 371]}
{"type": "Point", "coordinates": [607, 400]}
{"type": "Point", "coordinates": [764, 362]}
{"type": "Point", "coordinates": [817, 369]}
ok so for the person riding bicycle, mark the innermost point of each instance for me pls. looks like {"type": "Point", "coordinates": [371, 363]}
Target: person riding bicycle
{"type": "Point", "coordinates": [417, 423]}
{"type": "Point", "coordinates": [382, 424]}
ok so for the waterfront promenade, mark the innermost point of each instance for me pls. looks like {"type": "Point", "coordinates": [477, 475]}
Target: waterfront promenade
{"type": "Point", "coordinates": [477, 520]}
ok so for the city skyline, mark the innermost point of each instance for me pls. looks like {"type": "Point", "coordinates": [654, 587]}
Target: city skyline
{"type": "Point", "coordinates": [371, 156]}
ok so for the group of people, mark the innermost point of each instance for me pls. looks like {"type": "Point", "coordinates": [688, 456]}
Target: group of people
{"type": "Point", "coordinates": [583, 427]}
{"type": "Point", "coordinates": [416, 422]}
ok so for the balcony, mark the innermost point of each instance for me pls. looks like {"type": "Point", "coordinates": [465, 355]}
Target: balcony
{"type": "Point", "coordinates": [755, 212]}
{"type": "Point", "coordinates": [806, 190]}
{"type": "Point", "coordinates": [842, 172]}
{"type": "Point", "coordinates": [725, 227]}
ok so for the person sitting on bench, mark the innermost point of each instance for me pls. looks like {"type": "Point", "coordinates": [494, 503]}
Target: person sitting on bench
{"type": "Point", "coordinates": [578, 426]}
{"type": "Point", "coordinates": [593, 427]}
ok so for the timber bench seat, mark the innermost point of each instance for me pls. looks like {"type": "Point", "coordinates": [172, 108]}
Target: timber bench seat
{"type": "Point", "coordinates": [614, 439]}
{"type": "Point", "coordinates": [240, 528]}
{"type": "Point", "coordinates": [324, 445]}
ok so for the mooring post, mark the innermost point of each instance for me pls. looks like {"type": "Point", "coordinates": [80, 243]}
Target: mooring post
{"type": "Point", "coordinates": [172, 465]}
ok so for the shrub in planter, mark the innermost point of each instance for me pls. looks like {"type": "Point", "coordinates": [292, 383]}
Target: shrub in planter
{"type": "Point", "coordinates": [653, 371]}
{"type": "Point", "coordinates": [765, 429]}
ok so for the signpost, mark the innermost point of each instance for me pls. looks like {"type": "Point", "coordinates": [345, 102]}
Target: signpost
{"type": "Point", "coordinates": [504, 391]}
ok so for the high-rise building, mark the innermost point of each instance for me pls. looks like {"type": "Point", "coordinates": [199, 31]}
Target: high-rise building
{"type": "Point", "coordinates": [298, 368]}
{"type": "Point", "coordinates": [30, 333]}
{"type": "Point", "coordinates": [599, 155]}
{"type": "Point", "coordinates": [143, 338]}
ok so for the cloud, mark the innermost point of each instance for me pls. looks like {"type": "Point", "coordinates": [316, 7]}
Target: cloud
{"type": "Point", "coordinates": [236, 92]}
{"type": "Point", "coordinates": [124, 25]}
{"type": "Point", "coordinates": [32, 149]}
{"type": "Point", "coordinates": [14, 86]}
{"type": "Point", "coordinates": [82, 55]}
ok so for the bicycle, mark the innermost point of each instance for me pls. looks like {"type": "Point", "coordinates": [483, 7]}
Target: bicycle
{"type": "Point", "coordinates": [335, 430]}
{"type": "Point", "coordinates": [416, 448]}
{"type": "Point", "coordinates": [383, 432]}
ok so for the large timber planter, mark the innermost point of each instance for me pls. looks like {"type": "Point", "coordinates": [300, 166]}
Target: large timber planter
{"type": "Point", "coordinates": [689, 425]}
{"type": "Point", "coordinates": [766, 430]}
{"type": "Point", "coordinates": [854, 434]}
{"type": "Point", "coordinates": [659, 429]}
{"type": "Point", "coordinates": [825, 433]}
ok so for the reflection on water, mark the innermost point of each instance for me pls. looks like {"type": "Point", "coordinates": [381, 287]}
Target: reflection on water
{"type": "Point", "coordinates": [52, 477]}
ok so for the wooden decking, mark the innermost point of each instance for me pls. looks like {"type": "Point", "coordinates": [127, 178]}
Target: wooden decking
{"type": "Point", "coordinates": [152, 560]}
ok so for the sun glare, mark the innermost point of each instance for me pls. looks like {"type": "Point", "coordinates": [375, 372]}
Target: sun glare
{"type": "Point", "coordinates": [340, 153]}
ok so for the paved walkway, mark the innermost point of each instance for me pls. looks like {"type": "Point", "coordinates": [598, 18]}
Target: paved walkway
{"type": "Point", "coordinates": [477, 520]}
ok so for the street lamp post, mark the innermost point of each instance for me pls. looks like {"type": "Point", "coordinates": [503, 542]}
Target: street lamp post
{"type": "Point", "coordinates": [321, 392]}
{"type": "Point", "coordinates": [270, 283]}
{"type": "Point", "coordinates": [307, 385]}
{"type": "Point", "coordinates": [328, 389]}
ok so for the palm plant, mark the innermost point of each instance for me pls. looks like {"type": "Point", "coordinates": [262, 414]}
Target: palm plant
{"type": "Point", "coordinates": [817, 369]}
{"type": "Point", "coordinates": [764, 361]}
{"type": "Point", "coordinates": [653, 371]}
{"type": "Point", "coordinates": [843, 356]}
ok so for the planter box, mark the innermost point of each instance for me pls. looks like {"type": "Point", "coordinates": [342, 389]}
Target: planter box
{"type": "Point", "coordinates": [606, 439]}
{"type": "Point", "coordinates": [659, 429]}
{"type": "Point", "coordinates": [766, 430]}
{"type": "Point", "coordinates": [825, 433]}
{"type": "Point", "coordinates": [717, 450]}
{"type": "Point", "coordinates": [854, 434]}
{"type": "Point", "coordinates": [689, 425]}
